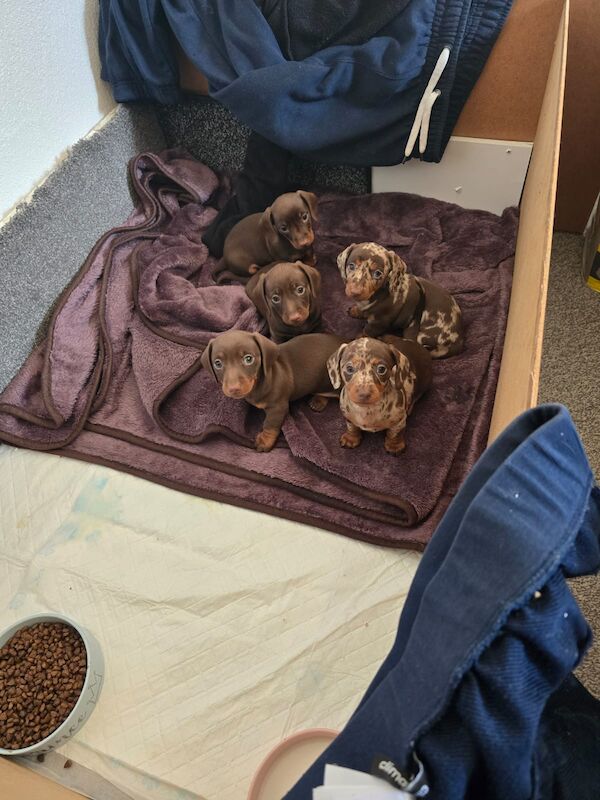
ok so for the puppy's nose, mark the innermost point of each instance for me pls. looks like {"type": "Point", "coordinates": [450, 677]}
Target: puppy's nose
{"type": "Point", "coordinates": [233, 389]}
{"type": "Point", "coordinates": [352, 290]}
{"type": "Point", "coordinates": [363, 395]}
{"type": "Point", "coordinates": [296, 318]}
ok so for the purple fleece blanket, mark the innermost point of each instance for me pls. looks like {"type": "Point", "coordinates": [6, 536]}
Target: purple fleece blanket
{"type": "Point", "coordinates": [118, 379]}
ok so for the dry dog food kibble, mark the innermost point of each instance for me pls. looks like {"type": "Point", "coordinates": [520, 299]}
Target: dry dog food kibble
{"type": "Point", "coordinates": [42, 670]}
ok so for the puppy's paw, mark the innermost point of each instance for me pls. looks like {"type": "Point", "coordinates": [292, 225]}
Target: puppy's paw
{"type": "Point", "coordinates": [265, 440]}
{"type": "Point", "coordinates": [351, 440]}
{"type": "Point", "coordinates": [317, 402]}
{"type": "Point", "coordinates": [394, 444]}
{"type": "Point", "coordinates": [355, 312]}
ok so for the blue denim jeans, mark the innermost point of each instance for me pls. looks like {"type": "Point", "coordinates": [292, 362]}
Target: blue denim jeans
{"type": "Point", "coordinates": [490, 631]}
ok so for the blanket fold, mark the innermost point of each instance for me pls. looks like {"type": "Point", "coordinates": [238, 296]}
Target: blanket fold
{"type": "Point", "coordinates": [118, 379]}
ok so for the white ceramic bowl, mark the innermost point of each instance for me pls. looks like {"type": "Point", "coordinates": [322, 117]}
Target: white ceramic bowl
{"type": "Point", "coordinates": [92, 685]}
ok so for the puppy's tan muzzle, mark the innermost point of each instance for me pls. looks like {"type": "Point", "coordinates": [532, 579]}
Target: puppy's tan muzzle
{"type": "Point", "coordinates": [300, 244]}
{"type": "Point", "coordinates": [237, 388]}
{"type": "Point", "coordinates": [296, 318]}
{"type": "Point", "coordinates": [363, 394]}
{"type": "Point", "coordinates": [356, 291]}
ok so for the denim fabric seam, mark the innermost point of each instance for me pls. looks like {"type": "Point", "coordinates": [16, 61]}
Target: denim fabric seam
{"type": "Point", "coordinates": [147, 93]}
{"type": "Point", "coordinates": [145, 83]}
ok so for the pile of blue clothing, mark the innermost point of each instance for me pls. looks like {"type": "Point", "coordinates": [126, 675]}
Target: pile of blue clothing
{"type": "Point", "coordinates": [359, 82]}
{"type": "Point", "coordinates": [476, 699]}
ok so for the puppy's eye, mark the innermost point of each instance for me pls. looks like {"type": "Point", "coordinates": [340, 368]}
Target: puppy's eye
{"type": "Point", "coordinates": [217, 363]}
{"type": "Point", "coordinates": [351, 267]}
{"type": "Point", "coordinates": [283, 227]}
{"type": "Point", "coordinates": [305, 217]}
{"type": "Point", "coordinates": [248, 360]}
{"type": "Point", "coordinates": [381, 369]}
{"type": "Point", "coordinates": [377, 274]}
{"type": "Point", "coordinates": [300, 289]}
{"type": "Point", "coordinates": [275, 299]}
{"type": "Point", "coordinates": [349, 369]}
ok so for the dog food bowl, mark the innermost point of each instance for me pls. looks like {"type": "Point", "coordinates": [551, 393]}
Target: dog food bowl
{"type": "Point", "coordinates": [287, 762]}
{"type": "Point", "coordinates": [90, 691]}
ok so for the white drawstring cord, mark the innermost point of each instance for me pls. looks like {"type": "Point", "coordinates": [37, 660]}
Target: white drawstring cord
{"type": "Point", "coordinates": [424, 132]}
{"type": "Point", "coordinates": [423, 115]}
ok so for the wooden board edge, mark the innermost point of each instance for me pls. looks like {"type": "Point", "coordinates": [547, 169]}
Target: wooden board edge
{"type": "Point", "coordinates": [518, 381]}
{"type": "Point", "coordinates": [19, 783]}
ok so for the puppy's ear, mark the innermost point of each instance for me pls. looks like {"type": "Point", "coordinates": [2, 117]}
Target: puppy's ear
{"type": "Point", "coordinates": [266, 222]}
{"type": "Point", "coordinates": [342, 259]}
{"type": "Point", "coordinates": [256, 291]}
{"type": "Point", "coordinates": [206, 359]}
{"type": "Point", "coordinates": [268, 352]}
{"type": "Point", "coordinates": [311, 200]}
{"type": "Point", "coordinates": [397, 281]}
{"type": "Point", "coordinates": [313, 277]}
{"type": "Point", "coordinates": [401, 369]}
{"type": "Point", "coordinates": [334, 366]}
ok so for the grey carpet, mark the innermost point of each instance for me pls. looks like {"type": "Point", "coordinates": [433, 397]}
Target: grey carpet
{"type": "Point", "coordinates": [214, 136]}
{"type": "Point", "coordinates": [571, 375]}
{"type": "Point", "coordinates": [43, 245]}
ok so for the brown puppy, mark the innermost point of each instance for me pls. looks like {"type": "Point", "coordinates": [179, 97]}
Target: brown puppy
{"type": "Point", "coordinates": [391, 300]}
{"type": "Point", "coordinates": [381, 381]}
{"type": "Point", "coordinates": [289, 298]}
{"type": "Point", "coordinates": [283, 232]}
{"type": "Point", "coordinates": [269, 376]}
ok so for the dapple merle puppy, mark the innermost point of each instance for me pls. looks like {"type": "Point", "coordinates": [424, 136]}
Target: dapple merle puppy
{"type": "Point", "coordinates": [380, 381]}
{"type": "Point", "coordinates": [393, 301]}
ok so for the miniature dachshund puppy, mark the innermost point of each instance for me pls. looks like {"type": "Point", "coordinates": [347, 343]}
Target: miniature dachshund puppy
{"type": "Point", "coordinates": [289, 297]}
{"type": "Point", "coordinates": [380, 382]}
{"type": "Point", "coordinates": [393, 301]}
{"type": "Point", "coordinates": [283, 232]}
{"type": "Point", "coordinates": [269, 376]}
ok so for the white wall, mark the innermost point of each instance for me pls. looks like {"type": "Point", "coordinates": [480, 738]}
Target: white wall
{"type": "Point", "coordinates": [50, 89]}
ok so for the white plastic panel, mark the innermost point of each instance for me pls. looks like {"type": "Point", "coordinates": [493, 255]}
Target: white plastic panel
{"type": "Point", "coordinates": [474, 173]}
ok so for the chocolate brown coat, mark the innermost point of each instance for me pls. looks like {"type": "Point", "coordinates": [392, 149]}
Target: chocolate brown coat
{"type": "Point", "coordinates": [289, 297]}
{"type": "Point", "coordinates": [269, 376]}
{"type": "Point", "coordinates": [282, 232]}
